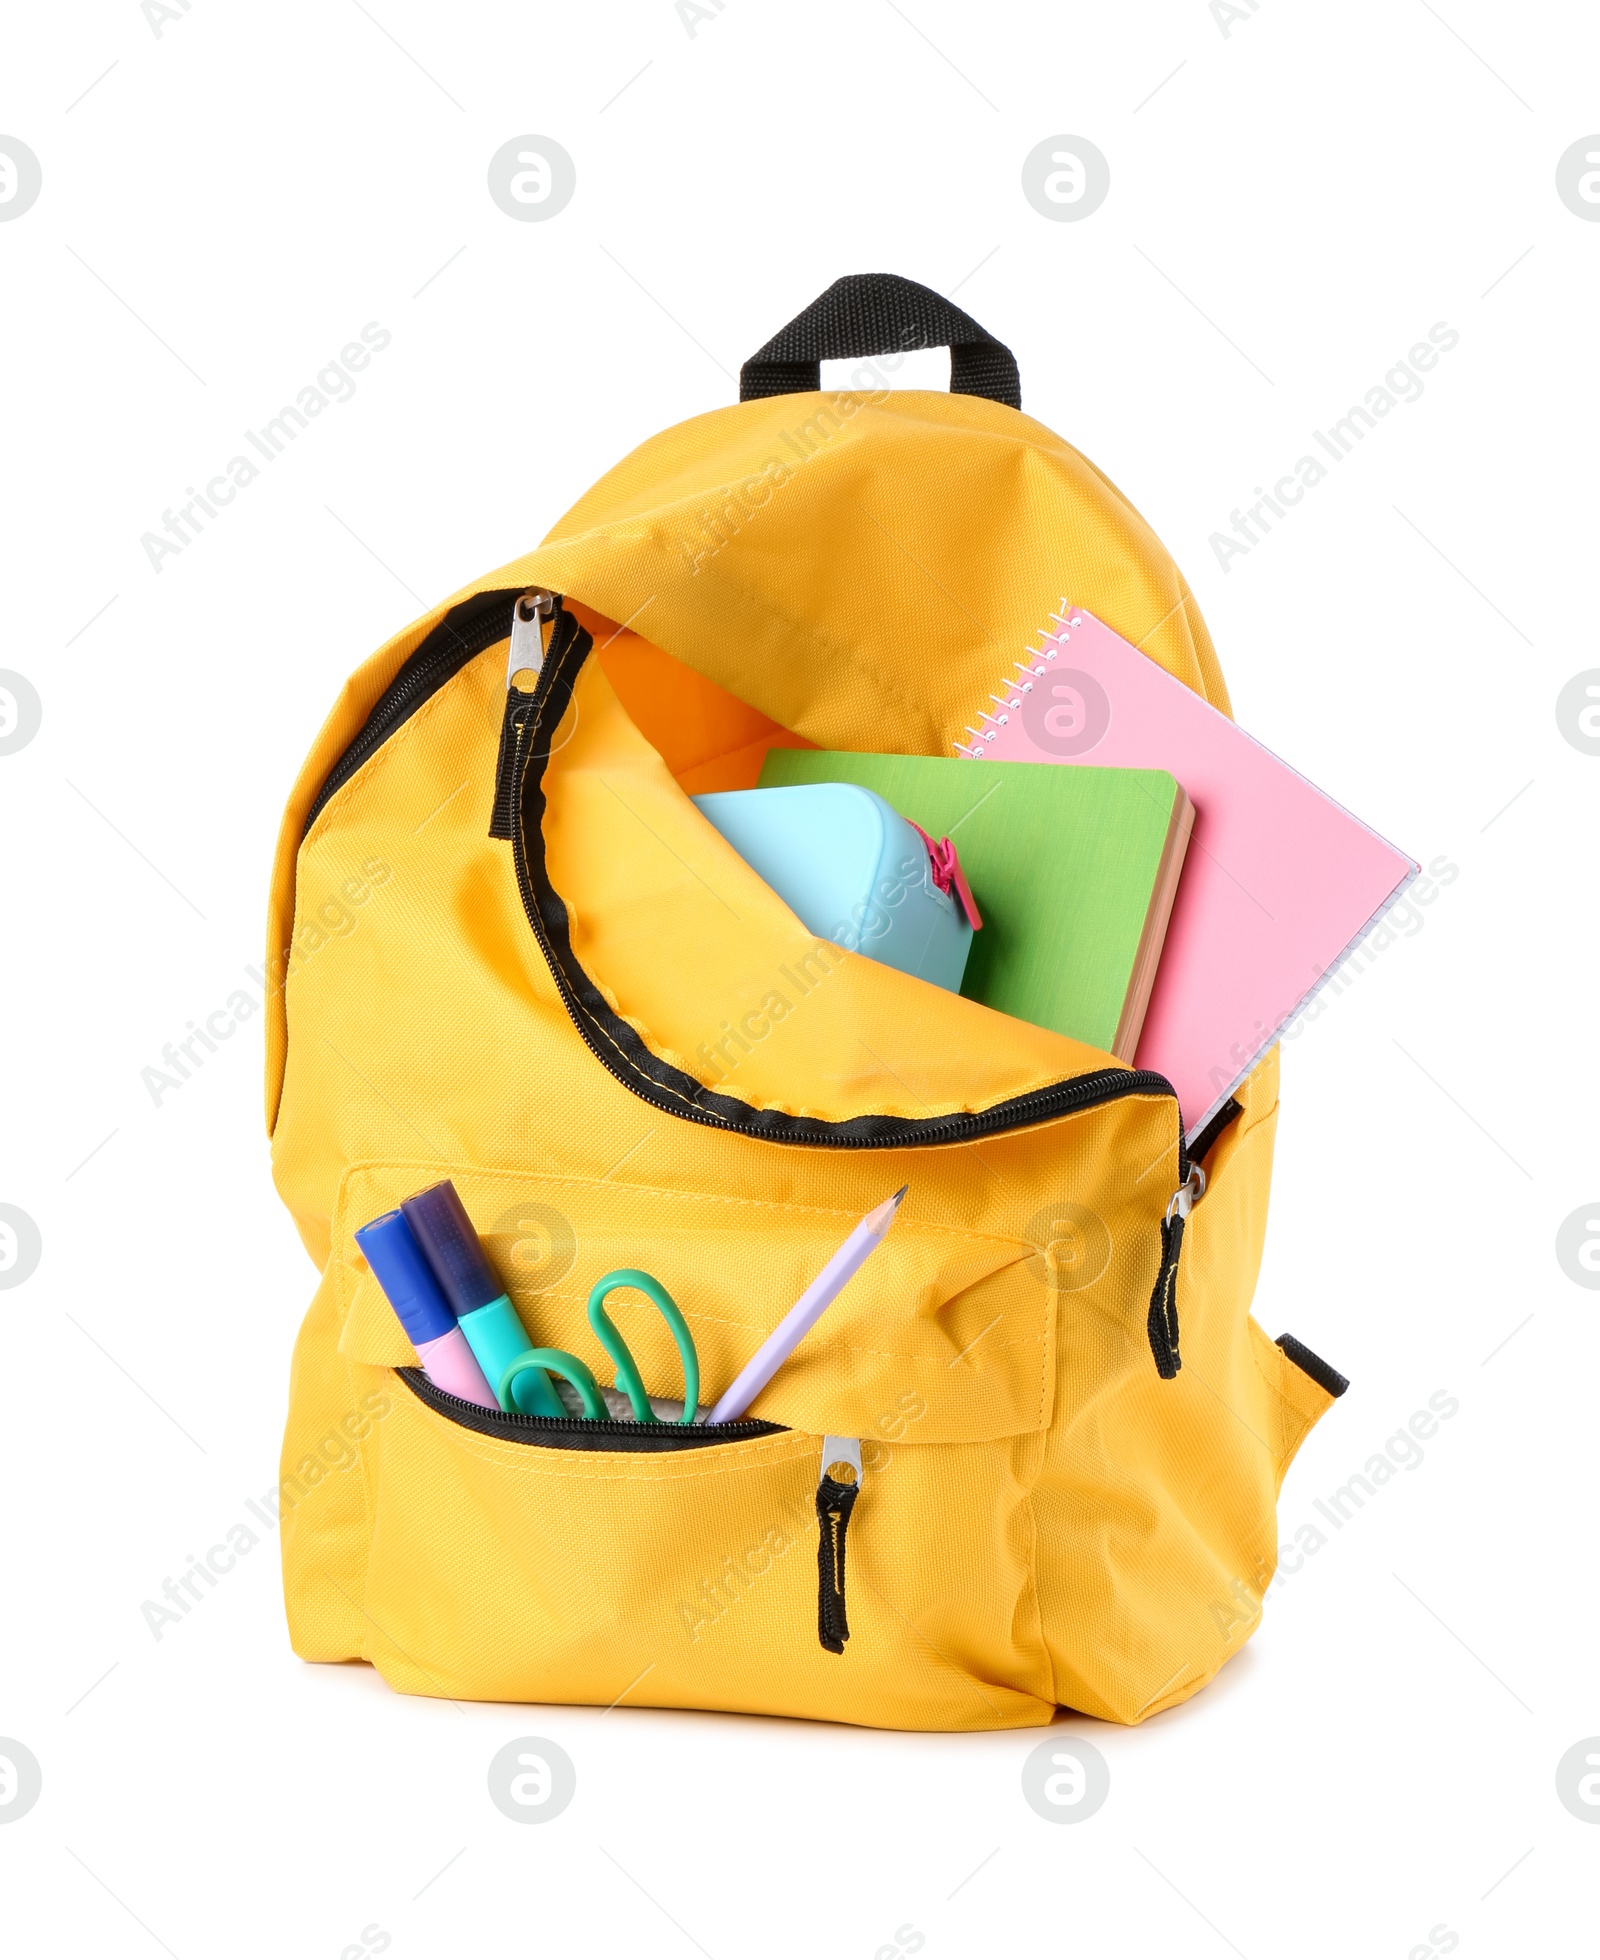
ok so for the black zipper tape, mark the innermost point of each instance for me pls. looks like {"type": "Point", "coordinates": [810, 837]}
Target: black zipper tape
{"type": "Point", "coordinates": [507, 768]}
{"type": "Point", "coordinates": [576, 1433]}
{"type": "Point", "coordinates": [1208, 1138]}
{"type": "Point", "coordinates": [520, 718]}
{"type": "Point", "coordinates": [465, 631]}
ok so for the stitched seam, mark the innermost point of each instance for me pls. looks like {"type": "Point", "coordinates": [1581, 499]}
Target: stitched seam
{"type": "Point", "coordinates": [1283, 1365]}
{"type": "Point", "coordinates": [1293, 1442]}
{"type": "Point", "coordinates": [369, 1495]}
{"type": "Point", "coordinates": [625, 1059]}
{"type": "Point", "coordinates": [371, 1165]}
{"type": "Point", "coordinates": [369, 1512]}
{"type": "Point", "coordinates": [1293, 1424]}
{"type": "Point", "coordinates": [1033, 1570]}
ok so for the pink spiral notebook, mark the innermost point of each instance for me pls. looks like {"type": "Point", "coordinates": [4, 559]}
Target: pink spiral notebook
{"type": "Point", "coordinates": [1280, 882]}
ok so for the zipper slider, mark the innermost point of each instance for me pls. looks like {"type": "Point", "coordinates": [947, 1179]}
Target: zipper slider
{"type": "Point", "coordinates": [837, 1491]}
{"type": "Point", "coordinates": [528, 615]}
{"type": "Point", "coordinates": [1163, 1322]}
{"type": "Point", "coordinates": [1188, 1194]}
{"type": "Point", "coordinates": [524, 663]}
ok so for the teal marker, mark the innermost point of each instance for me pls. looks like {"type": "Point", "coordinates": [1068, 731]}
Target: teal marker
{"type": "Point", "coordinates": [440, 1224]}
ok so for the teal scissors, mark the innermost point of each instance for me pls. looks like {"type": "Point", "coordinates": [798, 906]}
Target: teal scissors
{"type": "Point", "coordinates": [559, 1362]}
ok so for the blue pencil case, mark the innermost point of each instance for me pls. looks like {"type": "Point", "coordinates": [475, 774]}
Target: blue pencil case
{"type": "Point", "coordinates": [854, 871]}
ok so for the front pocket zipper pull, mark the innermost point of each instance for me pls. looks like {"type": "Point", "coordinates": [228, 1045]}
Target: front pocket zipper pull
{"type": "Point", "coordinates": [524, 663]}
{"type": "Point", "coordinates": [837, 1492]}
{"type": "Point", "coordinates": [1163, 1325]}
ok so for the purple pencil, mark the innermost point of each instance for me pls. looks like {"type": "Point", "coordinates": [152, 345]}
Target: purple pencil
{"type": "Point", "coordinates": [807, 1310]}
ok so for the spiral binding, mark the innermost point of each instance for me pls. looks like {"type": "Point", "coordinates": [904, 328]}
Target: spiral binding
{"type": "Point", "coordinates": [1011, 702]}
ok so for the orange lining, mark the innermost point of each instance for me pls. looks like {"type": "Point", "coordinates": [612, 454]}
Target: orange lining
{"type": "Point", "coordinates": [707, 737]}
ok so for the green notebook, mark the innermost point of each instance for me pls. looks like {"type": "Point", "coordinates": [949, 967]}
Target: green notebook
{"type": "Point", "coordinates": [1074, 871]}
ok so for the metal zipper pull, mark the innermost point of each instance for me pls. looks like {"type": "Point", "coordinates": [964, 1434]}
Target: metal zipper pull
{"type": "Point", "coordinates": [528, 615]}
{"type": "Point", "coordinates": [837, 1491]}
{"type": "Point", "coordinates": [1187, 1195]}
{"type": "Point", "coordinates": [524, 664]}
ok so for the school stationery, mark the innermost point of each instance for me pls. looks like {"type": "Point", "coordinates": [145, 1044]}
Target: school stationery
{"type": "Point", "coordinates": [775, 1350]}
{"type": "Point", "coordinates": [1077, 868]}
{"type": "Point", "coordinates": [854, 871]}
{"type": "Point", "coordinates": [1281, 882]}
{"type": "Point", "coordinates": [560, 1362]}
{"type": "Point", "coordinates": [408, 1283]}
{"type": "Point", "coordinates": [484, 1313]}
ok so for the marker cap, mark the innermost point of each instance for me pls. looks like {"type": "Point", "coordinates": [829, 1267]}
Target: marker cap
{"type": "Point", "coordinates": [403, 1272]}
{"type": "Point", "coordinates": [442, 1228]}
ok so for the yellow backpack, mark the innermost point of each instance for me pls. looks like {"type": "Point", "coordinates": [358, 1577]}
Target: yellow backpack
{"type": "Point", "coordinates": [506, 949]}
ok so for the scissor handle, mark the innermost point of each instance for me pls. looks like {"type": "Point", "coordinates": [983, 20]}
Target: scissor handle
{"type": "Point", "coordinates": [559, 1362]}
{"type": "Point", "coordinates": [613, 1343]}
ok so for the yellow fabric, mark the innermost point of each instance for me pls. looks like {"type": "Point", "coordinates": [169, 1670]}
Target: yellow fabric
{"type": "Point", "coordinates": [1042, 1519]}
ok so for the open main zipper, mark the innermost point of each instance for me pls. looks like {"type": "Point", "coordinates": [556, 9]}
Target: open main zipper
{"type": "Point", "coordinates": [485, 620]}
{"type": "Point", "coordinates": [619, 1048]}
{"type": "Point", "coordinates": [482, 622]}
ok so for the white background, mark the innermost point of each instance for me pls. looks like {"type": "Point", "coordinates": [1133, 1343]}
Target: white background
{"type": "Point", "coordinates": [1294, 206]}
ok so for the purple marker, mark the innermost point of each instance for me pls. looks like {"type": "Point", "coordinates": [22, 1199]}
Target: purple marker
{"type": "Point", "coordinates": [408, 1283]}
{"type": "Point", "coordinates": [488, 1321]}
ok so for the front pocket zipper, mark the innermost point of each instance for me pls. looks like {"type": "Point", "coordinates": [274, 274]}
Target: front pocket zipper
{"type": "Point", "coordinates": [579, 1433]}
{"type": "Point", "coordinates": [836, 1495]}
{"type": "Point", "coordinates": [836, 1499]}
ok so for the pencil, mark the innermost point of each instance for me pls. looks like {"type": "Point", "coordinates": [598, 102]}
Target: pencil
{"type": "Point", "coordinates": [807, 1310]}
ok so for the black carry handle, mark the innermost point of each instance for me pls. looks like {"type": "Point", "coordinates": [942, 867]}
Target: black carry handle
{"type": "Point", "coordinates": [869, 313]}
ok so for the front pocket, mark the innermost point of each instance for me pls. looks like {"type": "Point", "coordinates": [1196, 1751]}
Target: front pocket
{"type": "Point", "coordinates": [685, 1575]}
{"type": "Point", "coordinates": [952, 1317]}
{"type": "Point", "coordinates": [519, 1558]}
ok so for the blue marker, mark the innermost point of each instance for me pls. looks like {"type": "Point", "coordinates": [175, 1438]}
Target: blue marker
{"type": "Point", "coordinates": [407, 1280]}
{"type": "Point", "coordinates": [487, 1318]}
